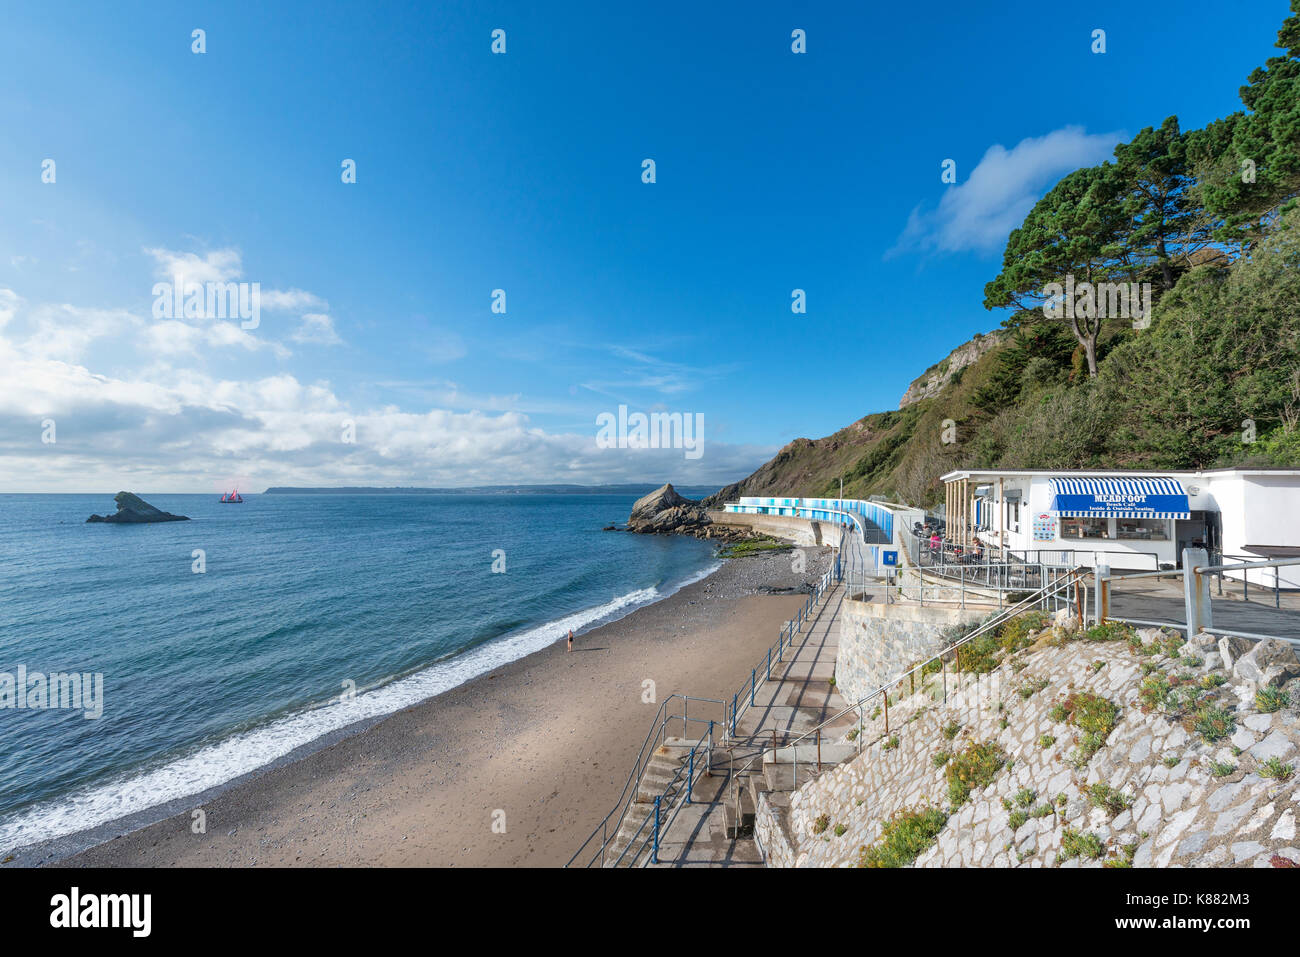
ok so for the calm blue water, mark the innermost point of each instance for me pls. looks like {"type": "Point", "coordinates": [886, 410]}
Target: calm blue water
{"type": "Point", "coordinates": [207, 676]}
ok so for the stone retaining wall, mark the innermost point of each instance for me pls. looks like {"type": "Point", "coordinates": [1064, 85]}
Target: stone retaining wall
{"type": "Point", "coordinates": [879, 642]}
{"type": "Point", "coordinates": [800, 531]}
{"type": "Point", "coordinates": [1156, 793]}
{"type": "Point", "coordinates": [771, 835]}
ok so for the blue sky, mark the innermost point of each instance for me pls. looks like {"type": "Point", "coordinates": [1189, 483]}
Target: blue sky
{"type": "Point", "coordinates": [522, 172]}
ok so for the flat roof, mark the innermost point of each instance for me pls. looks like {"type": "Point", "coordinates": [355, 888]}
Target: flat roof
{"type": "Point", "coordinates": [1115, 473]}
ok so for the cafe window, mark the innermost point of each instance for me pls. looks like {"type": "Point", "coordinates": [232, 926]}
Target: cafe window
{"type": "Point", "coordinates": [1085, 528]}
{"type": "Point", "coordinates": [1143, 529]}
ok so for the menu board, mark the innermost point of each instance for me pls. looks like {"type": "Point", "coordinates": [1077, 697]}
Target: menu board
{"type": "Point", "coordinates": [1045, 527]}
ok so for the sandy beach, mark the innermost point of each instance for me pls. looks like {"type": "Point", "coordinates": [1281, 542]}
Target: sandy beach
{"type": "Point", "coordinates": [548, 740]}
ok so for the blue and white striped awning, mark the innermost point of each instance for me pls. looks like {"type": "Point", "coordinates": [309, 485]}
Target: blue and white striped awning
{"type": "Point", "coordinates": [1119, 498]}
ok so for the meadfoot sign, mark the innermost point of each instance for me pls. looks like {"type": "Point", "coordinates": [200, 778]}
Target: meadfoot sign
{"type": "Point", "coordinates": [1125, 498]}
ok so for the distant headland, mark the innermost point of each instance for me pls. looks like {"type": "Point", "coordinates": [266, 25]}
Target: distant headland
{"type": "Point", "coordinates": [630, 489]}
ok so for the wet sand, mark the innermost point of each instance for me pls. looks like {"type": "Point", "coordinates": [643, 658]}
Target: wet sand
{"type": "Point", "coordinates": [543, 746]}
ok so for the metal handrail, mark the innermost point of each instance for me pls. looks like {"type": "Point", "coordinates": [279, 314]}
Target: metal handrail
{"type": "Point", "coordinates": [962, 569]}
{"type": "Point", "coordinates": [658, 830]}
{"type": "Point", "coordinates": [856, 518]}
{"type": "Point", "coordinates": [1005, 554]}
{"type": "Point", "coordinates": [1072, 557]}
{"type": "Point", "coordinates": [1245, 578]}
{"type": "Point", "coordinates": [740, 701]}
{"type": "Point", "coordinates": [659, 723]}
{"type": "Point", "coordinates": [859, 560]}
{"type": "Point", "coordinates": [997, 577]}
{"type": "Point", "coordinates": [729, 717]}
{"type": "Point", "coordinates": [1042, 595]}
{"type": "Point", "coordinates": [1090, 552]}
{"type": "Point", "coordinates": [1103, 584]}
{"type": "Point", "coordinates": [1270, 563]}
{"type": "Point", "coordinates": [739, 705]}
{"type": "Point", "coordinates": [1254, 635]}
{"type": "Point", "coordinates": [673, 791]}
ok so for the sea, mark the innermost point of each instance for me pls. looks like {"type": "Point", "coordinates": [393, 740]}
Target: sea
{"type": "Point", "coordinates": [226, 642]}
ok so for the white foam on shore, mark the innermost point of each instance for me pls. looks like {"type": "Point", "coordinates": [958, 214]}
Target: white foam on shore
{"type": "Point", "coordinates": [241, 753]}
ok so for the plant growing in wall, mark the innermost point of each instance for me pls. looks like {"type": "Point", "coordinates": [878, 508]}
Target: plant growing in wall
{"type": "Point", "coordinates": [1274, 768]}
{"type": "Point", "coordinates": [973, 768]}
{"type": "Point", "coordinates": [1270, 699]}
{"type": "Point", "coordinates": [1078, 844]}
{"type": "Point", "coordinates": [1092, 714]}
{"type": "Point", "coordinates": [1213, 723]}
{"type": "Point", "coordinates": [903, 837]}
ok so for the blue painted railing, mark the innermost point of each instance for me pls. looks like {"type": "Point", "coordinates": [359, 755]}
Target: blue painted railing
{"type": "Point", "coordinates": [744, 696]}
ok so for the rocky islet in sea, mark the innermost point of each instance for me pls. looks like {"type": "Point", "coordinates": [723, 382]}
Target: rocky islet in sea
{"type": "Point", "coordinates": [133, 510]}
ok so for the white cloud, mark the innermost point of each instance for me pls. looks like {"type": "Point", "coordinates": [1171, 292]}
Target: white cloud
{"type": "Point", "coordinates": [171, 337]}
{"type": "Point", "coordinates": [9, 303]}
{"type": "Point", "coordinates": [291, 300]}
{"type": "Point", "coordinates": [161, 426]}
{"type": "Point", "coordinates": [645, 371]}
{"type": "Point", "coordinates": [65, 331]}
{"type": "Point", "coordinates": [980, 213]}
{"type": "Point", "coordinates": [220, 265]}
{"type": "Point", "coordinates": [224, 265]}
{"type": "Point", "coordinates": [317, 328]}
{"type": "Point", "coordinates": [228, 334]}
{"type": "Point", "coordinates": [188, 433]}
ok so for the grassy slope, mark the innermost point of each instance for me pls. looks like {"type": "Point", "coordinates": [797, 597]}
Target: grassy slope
{"type": "Point", "coordinates": [893, 453]}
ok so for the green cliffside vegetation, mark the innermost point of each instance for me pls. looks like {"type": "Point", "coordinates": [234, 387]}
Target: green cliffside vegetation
{"type": "Point", "coordinates": [1211, 220]}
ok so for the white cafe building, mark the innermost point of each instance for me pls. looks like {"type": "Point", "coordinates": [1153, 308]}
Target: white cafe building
{"type": "Point", "coordinates": [1130, 519]}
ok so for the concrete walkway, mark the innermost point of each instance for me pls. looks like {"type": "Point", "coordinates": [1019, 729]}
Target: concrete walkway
{"type": "Point", "coordinates": [1153, 599]}
{"type": "Point", "coordinates": [797, 698]}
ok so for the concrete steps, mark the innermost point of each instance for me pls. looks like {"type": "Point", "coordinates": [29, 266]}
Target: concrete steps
{"type": "Point", "coordinates": [798, 698]}
{"type": "Point", "coordinates": [717, 828]}
{"type": "Point", "coordinates": [664, 777]}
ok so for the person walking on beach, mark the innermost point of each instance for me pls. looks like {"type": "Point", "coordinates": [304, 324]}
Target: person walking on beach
{"type": "Point", "coordinates": [570, 639]}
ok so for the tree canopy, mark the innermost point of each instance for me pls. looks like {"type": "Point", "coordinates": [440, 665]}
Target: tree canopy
{"type": "Point", "coordinates": [1168, 198]}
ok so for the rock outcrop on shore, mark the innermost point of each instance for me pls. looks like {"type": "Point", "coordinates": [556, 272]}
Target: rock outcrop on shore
{"type": "Point", "coordinates": [133, 510]}
{"type": "Point", "coordinates": [665, 511]}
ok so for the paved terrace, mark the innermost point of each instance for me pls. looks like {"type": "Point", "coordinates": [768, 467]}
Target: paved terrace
{"type": "Point", "coordinates": [1161, 599]}
{"type": "Point", "coordinates": [797, 699]}
{"type": "Point", "coordinates": [1256, 609]}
